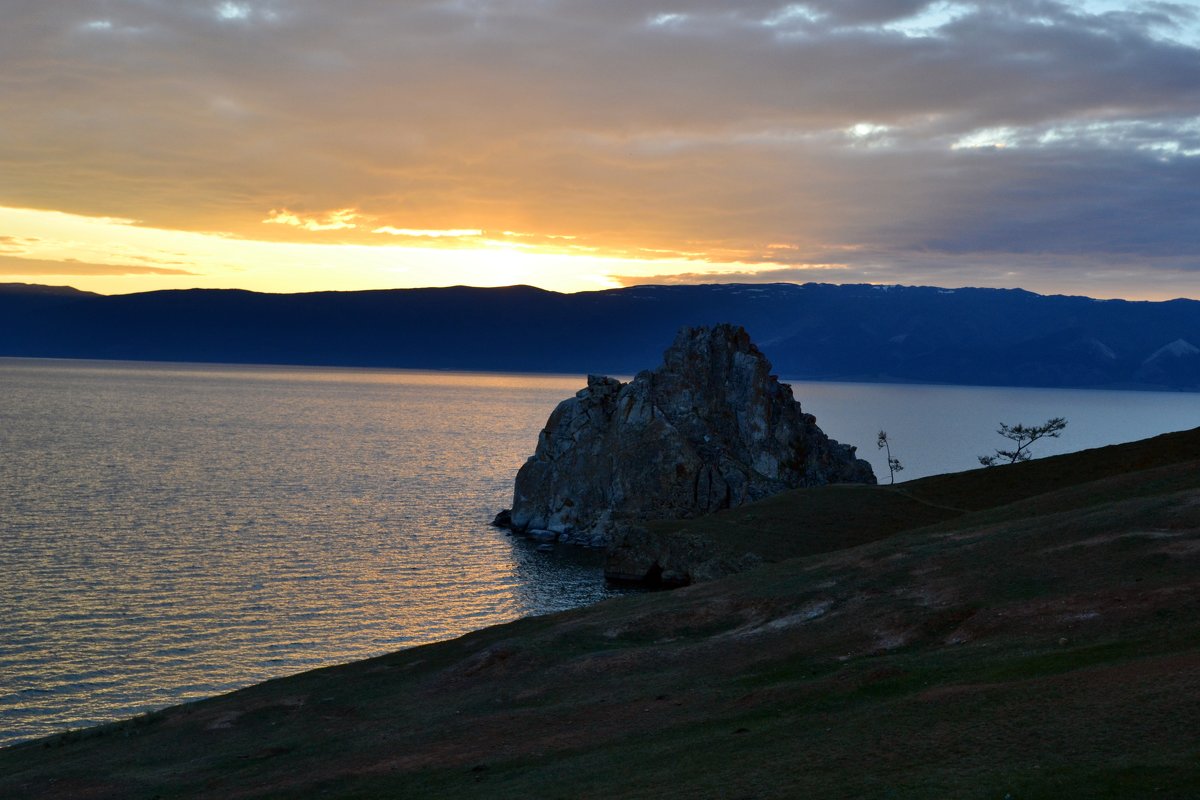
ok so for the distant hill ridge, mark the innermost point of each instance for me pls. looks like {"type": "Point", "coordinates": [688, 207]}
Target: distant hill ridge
{"type": "Point", "coordinates": [1006, 337]}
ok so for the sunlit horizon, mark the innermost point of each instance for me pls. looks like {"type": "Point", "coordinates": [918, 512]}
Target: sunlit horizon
{"type": "Point", "coordinates": [118, 256]}
{"type": "Point", "coordinates": [300, 146]}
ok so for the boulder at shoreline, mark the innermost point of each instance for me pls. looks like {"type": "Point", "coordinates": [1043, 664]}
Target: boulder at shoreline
{"type": "Point", "coordinates": [711, 428]}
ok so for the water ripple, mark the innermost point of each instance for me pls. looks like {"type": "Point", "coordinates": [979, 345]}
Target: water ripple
{"type": "Point", "coordinates": [171, 532]}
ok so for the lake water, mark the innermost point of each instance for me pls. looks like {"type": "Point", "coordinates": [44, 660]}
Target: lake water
{"type": "Point", "coordinates": [169, 532]}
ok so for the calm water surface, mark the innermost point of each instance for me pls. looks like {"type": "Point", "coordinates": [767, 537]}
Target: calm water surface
{"type": "Point", "coordinates": [938, 429]}
{"type": "Point", "coordinates": [169, 532]}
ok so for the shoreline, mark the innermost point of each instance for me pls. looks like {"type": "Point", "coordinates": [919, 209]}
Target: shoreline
{"type": "Point", "coordinates": [573, 555]}
{"type": "Point", "coordinates": [1041, 618]}
{"type": "Point", "coordinates": [1055, 596]}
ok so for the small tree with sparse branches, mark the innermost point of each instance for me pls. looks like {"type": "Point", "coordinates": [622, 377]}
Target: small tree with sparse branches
{"type": "Point", "coordinates": [894, 464]}
{"type": "Point", "coordinates": [1023, 436]}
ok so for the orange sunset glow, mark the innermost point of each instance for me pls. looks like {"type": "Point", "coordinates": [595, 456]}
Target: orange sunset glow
{"type": "Point", "coordinates": [293, 146]}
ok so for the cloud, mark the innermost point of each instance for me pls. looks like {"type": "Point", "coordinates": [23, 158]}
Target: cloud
{"type": "Point", "coordinates": [429, 234]}
{"type": "Point", "coordinates": [14, 244]}
{"type": "Point", "coordinates": [1157, 279]}
{"type": "Point", "coordinates": [10, 265]}
{"type": "Point", "coordinates": [851, 12]}
{"type": "Point", "coordinates": [690, 128]}
{"type": "Point", "coordinates": [342, 219]}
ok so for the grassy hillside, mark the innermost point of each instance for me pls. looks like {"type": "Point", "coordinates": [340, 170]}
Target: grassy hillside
{"type": "Point", "coordinates": [1031, 631]}
{"type": "Point", "coordinates": [808, 521]}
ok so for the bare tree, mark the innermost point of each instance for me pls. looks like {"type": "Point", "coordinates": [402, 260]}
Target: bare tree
{"type": "Point", "coordinates": [1023, 436]}
{"type": "Point", "coordinates": [894, 464]}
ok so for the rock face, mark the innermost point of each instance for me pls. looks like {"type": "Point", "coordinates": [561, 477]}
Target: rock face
{"type": "Point", "coordinates": [667, 560]}
{"type": "Point", "coordinates": [709, 429]}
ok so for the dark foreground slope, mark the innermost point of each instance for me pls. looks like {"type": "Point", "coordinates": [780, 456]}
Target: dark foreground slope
{"type": "Point", "coordinates": [1034, 632]}
{"type": "Point", "coordinates": [814, 331]}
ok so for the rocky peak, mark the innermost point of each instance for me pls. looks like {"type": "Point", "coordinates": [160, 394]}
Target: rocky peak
{"type": "Point", "coordinates": [711, 428]}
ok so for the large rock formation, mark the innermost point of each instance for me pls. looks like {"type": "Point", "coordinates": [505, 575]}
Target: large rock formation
{"type": "Point", "coordinates": [709, 429]}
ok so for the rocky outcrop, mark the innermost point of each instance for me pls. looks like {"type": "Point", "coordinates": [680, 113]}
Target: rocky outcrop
{"type": "Point", "coordinates": [709, 429]}
{"type": "Point", "coordinates": [666, 560]}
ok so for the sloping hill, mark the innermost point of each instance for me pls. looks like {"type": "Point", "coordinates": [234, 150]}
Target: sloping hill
{"type": "Point", "coordinates": [1037, 634]}
{"type": "Point", "coordinates": [808, 521]}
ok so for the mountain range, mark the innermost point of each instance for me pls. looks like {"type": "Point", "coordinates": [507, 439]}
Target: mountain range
{"type": "Point", "coordinates": [1004, 337]}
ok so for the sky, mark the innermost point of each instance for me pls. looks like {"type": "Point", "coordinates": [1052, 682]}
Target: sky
{"type": "Point", "coordinates": [297, 145]}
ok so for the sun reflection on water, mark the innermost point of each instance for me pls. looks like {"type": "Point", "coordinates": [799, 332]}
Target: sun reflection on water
{"type": "Point", "coordinates": [175, 531]}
